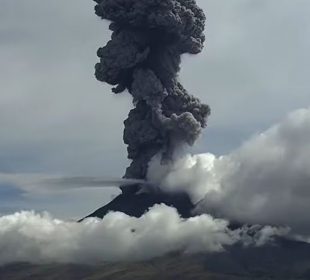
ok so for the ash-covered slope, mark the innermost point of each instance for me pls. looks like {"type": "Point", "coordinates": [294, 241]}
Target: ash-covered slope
{"type": "Point", "coordinates": [135, 204]}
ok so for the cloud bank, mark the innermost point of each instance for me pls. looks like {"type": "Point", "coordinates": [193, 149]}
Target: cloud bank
{"type": "Point", "coordinates": [35, 238]}
{"type": "Point", "coordinates": [265, 181]}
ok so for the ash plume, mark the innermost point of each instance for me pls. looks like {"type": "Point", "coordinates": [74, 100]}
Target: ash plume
{"type": "Point", "coordinates": [143, 56]}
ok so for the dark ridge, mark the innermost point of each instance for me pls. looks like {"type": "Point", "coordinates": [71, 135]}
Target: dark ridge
{"type": "Point", "coordinates": [282, 259]}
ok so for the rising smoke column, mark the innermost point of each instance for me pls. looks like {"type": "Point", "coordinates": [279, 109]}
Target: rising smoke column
{"type": "Point", "coordinates": [143, 56]}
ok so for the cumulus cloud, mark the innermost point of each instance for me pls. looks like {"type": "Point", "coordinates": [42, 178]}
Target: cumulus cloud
{"type": "Point", "coordinates": [265, 181]}
{"type": "Point", "coordinates": [35, 238]}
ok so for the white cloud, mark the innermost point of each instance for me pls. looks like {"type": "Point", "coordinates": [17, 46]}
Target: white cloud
{"type": "Point", "coordinates": [30, 237]}
{"type": "Point", "coordinates": [265, 181]}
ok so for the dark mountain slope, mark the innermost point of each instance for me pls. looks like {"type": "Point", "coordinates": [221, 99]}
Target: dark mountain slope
{"type": "Point", "coordinates": [137, 204]}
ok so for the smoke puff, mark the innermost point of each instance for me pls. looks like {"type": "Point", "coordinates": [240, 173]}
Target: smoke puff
{"type": "Point", "coordinates": [265, 181]}
{"type": "Point", "coordinates": [144, 56]}
{"type": "Point", "coordinates": [34, 238]}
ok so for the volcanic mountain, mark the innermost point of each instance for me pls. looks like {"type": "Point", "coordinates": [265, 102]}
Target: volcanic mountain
{"type": "Point", "coordinates": [136, 204]}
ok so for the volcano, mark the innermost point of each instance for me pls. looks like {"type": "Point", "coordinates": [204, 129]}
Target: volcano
{"type": "Point", "coordinates": [143, 58]}
{"type": "Point", "coordinates": [135, 204]}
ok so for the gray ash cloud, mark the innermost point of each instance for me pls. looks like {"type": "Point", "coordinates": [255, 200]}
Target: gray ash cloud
{"type": "Point", "coordinates": [144, 56]}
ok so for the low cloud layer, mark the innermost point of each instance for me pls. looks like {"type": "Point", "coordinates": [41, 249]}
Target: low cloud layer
{"type": "Point", "coordinates": [265, 181]}
{"type": "Point", "coordinates": [30, 237]}
{"type": "Point", "coordinates": [43, 183]}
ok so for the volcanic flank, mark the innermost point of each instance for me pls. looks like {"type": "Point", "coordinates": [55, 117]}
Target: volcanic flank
{"type": "Point", "coordinates": [143, 57]}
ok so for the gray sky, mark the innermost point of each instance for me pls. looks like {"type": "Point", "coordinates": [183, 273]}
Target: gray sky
{"type": "Point", "coordinates": [56, 118]}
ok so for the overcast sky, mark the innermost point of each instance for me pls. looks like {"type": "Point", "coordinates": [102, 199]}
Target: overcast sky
{"type": "Point", "coordinates": [56, 118]}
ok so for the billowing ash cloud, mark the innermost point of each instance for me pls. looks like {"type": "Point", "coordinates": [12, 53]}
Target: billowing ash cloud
{"type": "Point", "coordinates": [143, 56]}
{"type": "Point", "coordinates": [265, 181]}
{"type": "Point", "coordinates": [34, 238]}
